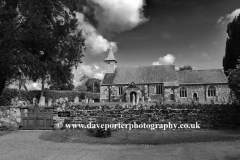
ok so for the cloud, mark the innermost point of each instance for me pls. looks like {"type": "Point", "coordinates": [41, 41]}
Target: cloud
{"type": "Point", "coordinates": [205, 55]}
{"type": "Point", "coordinates": [166, 60]}
{"type": "Point", "coordinates": [115, 16]}
{"type": "Point", "coordinates": [92, 71]}
{"type": "Point", "coordinates": [95, 43]}
{"type": "Point", "coordinates": [224, 20]}
{"type": "Point", "coordinates": [111, 16]}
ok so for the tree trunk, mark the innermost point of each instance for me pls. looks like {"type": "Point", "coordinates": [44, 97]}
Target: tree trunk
{"type": "Point", "coordinates": [2, 84]}
{"type": "Point", "coordinates": [42, 87]}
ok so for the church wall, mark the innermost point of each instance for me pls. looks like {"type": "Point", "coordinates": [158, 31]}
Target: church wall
{"type": "Point", "coordinates": [222, 92]}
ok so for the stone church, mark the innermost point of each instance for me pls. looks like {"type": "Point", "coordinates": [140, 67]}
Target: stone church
{"type": "Point", "coordinates": [162, 83]}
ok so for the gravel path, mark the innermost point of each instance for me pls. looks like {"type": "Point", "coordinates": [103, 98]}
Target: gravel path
{"type": "Point", "coordinates": [25, 145]}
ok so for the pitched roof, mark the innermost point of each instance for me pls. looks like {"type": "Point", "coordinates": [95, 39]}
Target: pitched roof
{"type": "Point", "coordinates": [141, 75]}
{"type": "Point", "coordinates": [110, 56]}
{"type": "Point", "coordinates": [202, 76]}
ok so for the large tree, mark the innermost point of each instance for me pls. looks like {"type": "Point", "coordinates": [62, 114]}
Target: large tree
{"type": "Point", "coordinates": [234, 81]}
{"type": "Point", "coordinates": [39, 38]}
{"type": "Point", "coordinates": [232, 52]}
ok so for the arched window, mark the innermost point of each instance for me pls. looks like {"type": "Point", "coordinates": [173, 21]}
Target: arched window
{"type": "Point", "coordinates": [183, 92]}
{"type": "Point", "coordinates": [211, 91]}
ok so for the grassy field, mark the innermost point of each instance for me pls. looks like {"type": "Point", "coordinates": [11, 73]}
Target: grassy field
{"type": "Point", "coordinates": [143, 136]}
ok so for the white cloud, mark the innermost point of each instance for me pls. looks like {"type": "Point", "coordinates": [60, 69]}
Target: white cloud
{"type": "Point", "coordinates": [112, 16]}
{"type": "Point", "coordinates": [224, 20]}
{"type": "Point", "coordinates": [95, 43]}
{"type": "Point", "coordinates": [166, 60]}
{"type": "Point", "coordinates": [92, 71]}
{"type": "Point", "coordinates": [205, 55]}
{"type": "Point", "coordinates": [115, 16]}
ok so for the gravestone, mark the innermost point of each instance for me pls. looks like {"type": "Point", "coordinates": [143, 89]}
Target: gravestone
{"type": "Point", "coordinates": [76, 100]}
{"type": "Point", "coordinates": [143, 99]}
{"type": "Point", "coordinates": [61, 100]}
{"type": "Point", "coordinates": [66, 99]}
{"type": "Point", "coordinates": [49, 102]}
{"type": "Point", "coordinates": [86, 100]}
{"type": "Point", "coordinates": [42, 101]}
{"type": "Point", "coordinates": [12, 101]}
{"type": "Point", "coordinates": [34, 101]}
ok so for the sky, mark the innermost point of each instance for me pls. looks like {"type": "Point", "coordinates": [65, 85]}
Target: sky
{"type": "Point", "coordinates": [154, 32]}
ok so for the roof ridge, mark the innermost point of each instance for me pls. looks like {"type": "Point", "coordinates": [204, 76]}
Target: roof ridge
{"type": "Point", "coordinates": [199, 70]}
{"type": "Point", "coordinates": [147, 65]}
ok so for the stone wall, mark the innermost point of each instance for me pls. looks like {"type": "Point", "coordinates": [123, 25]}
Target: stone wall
{"type": "Point", "coordinates": [10, 116]}
{"type": "Point", "coordinates": [104, 92]}
{"type": "Point", "coordinates": [222, 93]}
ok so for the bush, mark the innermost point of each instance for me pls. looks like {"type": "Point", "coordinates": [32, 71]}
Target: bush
{"type": "Point", "coordinates": [7, 94]}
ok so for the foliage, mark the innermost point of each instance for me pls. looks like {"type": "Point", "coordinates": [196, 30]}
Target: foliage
{"type": "Point", "coordinates": [39, 38]}
{"type": "Point", "coordinates": [7, 94]}
{"type": "Point", "coordinates": [187, 67]}
{"type": "Point", "coordinates": [62, 86]}
{"type": "Point", "coordinates": [81, 88]}
{"type": "Point", "coordinates": [232, 52]}
{"type": "Point", "coordinates": [234, 81]}
{"type": "Point", "coordinates": [93, 83]}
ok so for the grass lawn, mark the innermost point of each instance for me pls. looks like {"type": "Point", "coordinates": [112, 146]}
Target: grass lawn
{"type": "Point", "coordinates": [4, 132]}
{"type": "Point", "coordinates": [159, 137]}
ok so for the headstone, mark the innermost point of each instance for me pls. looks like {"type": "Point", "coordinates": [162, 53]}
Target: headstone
{"type": "Point", "coordinates": [42, 101]}
{"type": "Point", "coordinates": [49, 102]}
{"type": "Point", "coordinates": [12, 101]}
{"type": "Point", "coordinates": [66, 99]}
{"type": "Point", "coordinates": [92, 101]}
{"type": "Point", "coordinates": [61, 100]}
{"type": "Point", "coordinates": [86, 100]}
{"type": "Point", "coordinates": [34, 101]}
{"type": "Point", "coordinates": [143, 99]}
{"type": "Point", "coordinates": [76, 100]}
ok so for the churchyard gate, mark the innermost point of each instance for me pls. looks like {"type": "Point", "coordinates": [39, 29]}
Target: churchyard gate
{"type": "Point", "coordinates": [36, 118]}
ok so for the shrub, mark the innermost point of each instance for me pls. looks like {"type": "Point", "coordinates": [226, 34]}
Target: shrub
{"type": "Point", "coordinates": [7, 94]}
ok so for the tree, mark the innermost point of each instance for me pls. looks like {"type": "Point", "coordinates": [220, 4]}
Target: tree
{"type": "Point", "coordinates": [62, 86]}
{"type": "Point", "coordinates": [187, 67]}
{"type": "Point", "coordinates": [234, 81]}
{"type": "Point", "coordinates": [232, 51]}
{"type": "Point", "coordinates": [81, 88]}
{"type": "Point", "coordinates": [39, 38]}
{"type": "Point", "coordinates": [93, 85]}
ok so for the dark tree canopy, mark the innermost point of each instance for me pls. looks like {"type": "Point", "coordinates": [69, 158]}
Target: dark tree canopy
{"type": "Point", "coordinates": [234, 81]}
{"type": "Point", "coordinates": [232, 53]}
{"type": "Point", "coordinates": [187, 67]}
{"type": "Point", "coordinates": [39, 38]}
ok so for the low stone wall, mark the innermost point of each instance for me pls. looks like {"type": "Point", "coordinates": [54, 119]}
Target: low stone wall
{"type": "Point", "coordinates": [208, 116]}
{"type": "Point", "coordinates": [10, 117]}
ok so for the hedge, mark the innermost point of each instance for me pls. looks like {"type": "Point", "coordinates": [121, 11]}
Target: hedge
{"type": "Point", "coordinates": [7, 94]}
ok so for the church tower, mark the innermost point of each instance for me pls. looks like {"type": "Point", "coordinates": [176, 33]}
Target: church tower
{"type": "Point", "coordinates": [110, 62]}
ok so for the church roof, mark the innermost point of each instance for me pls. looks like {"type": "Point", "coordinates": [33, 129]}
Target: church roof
{"type": "Point", "coordinates": [141, 75]}
{"type": "Point", "coordinates": [163, 74]}
{"type": "Point", "coordinates": [111, 56]}
{"type": "Point", "coordinates": [202, 76]}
